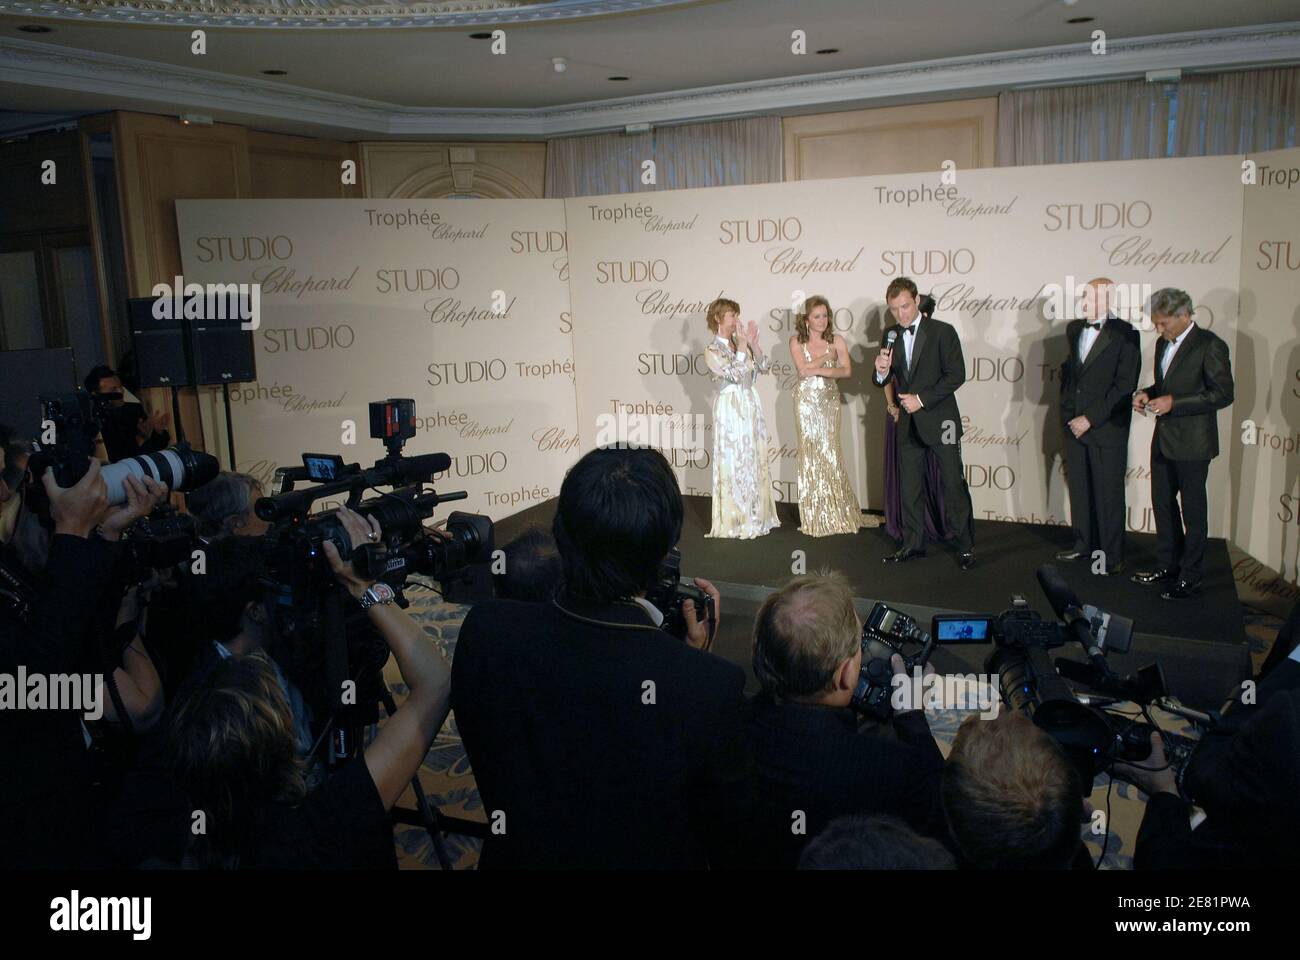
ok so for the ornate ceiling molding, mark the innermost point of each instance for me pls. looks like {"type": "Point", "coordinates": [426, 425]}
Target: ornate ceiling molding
{"type": "Point", "coordinates": [170, 89]}
{"type": "Point", "coordinates": [349, 14]}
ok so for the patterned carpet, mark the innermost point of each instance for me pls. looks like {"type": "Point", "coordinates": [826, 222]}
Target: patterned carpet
{"type": "Point", "coordinates": [449, 783]}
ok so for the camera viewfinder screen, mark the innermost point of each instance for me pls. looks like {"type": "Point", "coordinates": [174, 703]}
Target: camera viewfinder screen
{"type": "Point", "coordinates": [962, 630]}
{"type": "Point", "coordinates": [320, 468]}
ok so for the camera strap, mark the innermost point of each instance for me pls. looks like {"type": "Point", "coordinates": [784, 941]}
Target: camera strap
{"type": "Point", "coordinates": [613, 624]}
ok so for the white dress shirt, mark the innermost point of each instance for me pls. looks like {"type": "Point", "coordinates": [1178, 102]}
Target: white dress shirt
{"type": "Point", "coordinates": [1170, 350]}
{"type": "Point", "coordinates": [909, 341]}
{"type": "Point", "coordinates": [1087, 338]}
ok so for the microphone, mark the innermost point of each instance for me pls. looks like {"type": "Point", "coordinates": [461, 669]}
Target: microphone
{"type": "Point", "coordinates": [890, 337]}
{"type": "Point", "coordinates": [1066, 605]}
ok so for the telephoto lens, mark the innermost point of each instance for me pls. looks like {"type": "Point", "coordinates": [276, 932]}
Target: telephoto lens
{"type": "Point", "coordinates": [180, 469]}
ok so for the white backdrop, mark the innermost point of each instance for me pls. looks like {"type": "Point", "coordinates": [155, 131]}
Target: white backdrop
{"type": "Point", "coordinates": [364, 300]}
{"type": "Point", "coordinates": [602, 300]}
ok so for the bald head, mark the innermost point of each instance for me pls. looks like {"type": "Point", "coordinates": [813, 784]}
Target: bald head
{"type": "Point", "coordinates": [1097, 298]}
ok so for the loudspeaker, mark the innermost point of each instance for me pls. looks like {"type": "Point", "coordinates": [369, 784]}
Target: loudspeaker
{"type": "Point", "coordinates": [223, 353]}
{"type": "Point", "coordinates": [161, 348]}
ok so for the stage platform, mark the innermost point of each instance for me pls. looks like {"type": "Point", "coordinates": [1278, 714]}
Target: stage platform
{"type": "Point", "coordinates": [1201, 642]}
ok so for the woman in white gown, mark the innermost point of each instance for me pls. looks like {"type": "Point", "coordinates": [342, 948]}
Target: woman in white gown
{"type": "Point", "coordinates": [742, 483]}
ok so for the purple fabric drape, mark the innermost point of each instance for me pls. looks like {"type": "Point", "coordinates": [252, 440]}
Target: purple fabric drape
{"type": "Point", "coordinates": [935, 520]}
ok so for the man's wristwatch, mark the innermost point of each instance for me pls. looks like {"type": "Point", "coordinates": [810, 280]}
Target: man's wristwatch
{"type": "Point", "coordinates": [378, 592]}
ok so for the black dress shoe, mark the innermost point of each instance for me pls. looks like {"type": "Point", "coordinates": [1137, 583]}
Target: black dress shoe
{"type": "Point", "coordinates": [1182, 590]}
{"type": "Point", "coordinates": [900, 555]}
{"type": "Point", "coordinates": [1114, 569]}
{"type": "Point", "coordinates": [1148, 577]}
{"type": "Point", "coordinates": [966, 560]}
{"type": "Point", "coordinates": [1069, 555]}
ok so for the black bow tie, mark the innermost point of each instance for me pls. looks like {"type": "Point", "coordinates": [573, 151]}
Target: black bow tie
{"type": "Point", "coordinates": [1094, 326]}
{"type": "Point", "coordinates": [909, 329]}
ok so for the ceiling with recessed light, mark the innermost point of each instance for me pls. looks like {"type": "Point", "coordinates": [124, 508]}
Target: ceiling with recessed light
{"type": "Point", "coordinates": [374, 76]}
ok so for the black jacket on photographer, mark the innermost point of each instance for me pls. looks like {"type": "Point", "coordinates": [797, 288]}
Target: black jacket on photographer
{"type": "Point", "coordinates": [1246, 776]}
{"type": "Point", "coordinates": [46, 810]}
{"type": "Point", "coordinates": [121, 434]}
{"type": "Point", "coordinates": [816, 759]}
{"type": "Point", "coordinates": [598, 740]}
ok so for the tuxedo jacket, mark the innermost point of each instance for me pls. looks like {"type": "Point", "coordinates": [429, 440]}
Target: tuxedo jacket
{"type": "Point", "coordinates": [1101, 385]}
{"type": "Point", "coordinates": [938, 369]}
{"type": "Point", "coordinates": [592, 766]}
{"type": "Point", "coordinates": [1200, 381]}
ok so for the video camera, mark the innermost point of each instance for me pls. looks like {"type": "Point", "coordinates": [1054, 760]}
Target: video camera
{"type": "Point", "coordinates": [1029, 681]}
{"type": "Point", "coordinates": [320, 644]}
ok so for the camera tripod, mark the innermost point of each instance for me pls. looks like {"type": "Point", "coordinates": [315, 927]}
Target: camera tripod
{"type": "Point", "coordinates": [345, 747]}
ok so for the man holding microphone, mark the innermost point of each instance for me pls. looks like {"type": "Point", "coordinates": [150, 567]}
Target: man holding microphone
{"type": "Point", "coordinates": [926, 371]}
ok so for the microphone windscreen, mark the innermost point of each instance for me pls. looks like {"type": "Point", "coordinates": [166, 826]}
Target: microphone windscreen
{"type": "Point", "coordinates": [1058, 592]}
{"type": "Point", "coordinates": [890, 337]}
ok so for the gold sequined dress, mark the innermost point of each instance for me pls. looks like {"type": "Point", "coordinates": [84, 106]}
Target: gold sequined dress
{"type": "Point", "coordinates": [742, 483]}
{"type": "Point", "coordinates": [827, 503]}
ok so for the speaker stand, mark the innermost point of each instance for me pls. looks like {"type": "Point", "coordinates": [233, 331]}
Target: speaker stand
{"type": "Point", "coordinates": [230, 423]}
{"type": "Point", "coordinates": [176, 416]}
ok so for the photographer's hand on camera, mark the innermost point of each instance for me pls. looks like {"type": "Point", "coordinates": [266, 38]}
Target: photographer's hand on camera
{"type": "Point", "coordinates": [1154, 774]}
{"type": "Point", "coordinates": [697, 630]}
{"type": "Point", "coordinates": [360, 530]}
{"type": "Point", "coordinates": [401, 744]}
{"type": "Point", "coordinates": [142, 495]}
{"type": "Point", "coordinates": [78, 508]}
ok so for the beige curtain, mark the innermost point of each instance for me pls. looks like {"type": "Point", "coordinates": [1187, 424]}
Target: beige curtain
{"type": "Point", "coordinates": [1128, 120]}
{"type": "Point", "coordinates": [1242, 112]}
{"type": "Point", "coordinates": [713, 154]}
{"type": "Point", "coordinates": [1204, 115]}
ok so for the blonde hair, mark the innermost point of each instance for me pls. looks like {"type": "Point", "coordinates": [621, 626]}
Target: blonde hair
{"type": "Point", "coordinates": [803, 632]}
{"type": "Point", "coordinates": [801, 328]}
{"type": "Point", "coordinates": [717, 308]}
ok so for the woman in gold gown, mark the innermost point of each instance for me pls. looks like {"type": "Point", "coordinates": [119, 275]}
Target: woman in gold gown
{"type": "Point", "coordinates": [742, 482]}
{"type": "Point", "coordinates": [827, 503]}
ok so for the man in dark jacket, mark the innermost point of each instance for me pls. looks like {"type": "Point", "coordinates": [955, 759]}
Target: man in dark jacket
{"type": "Point", "coordinates": [815, 763]}
{"type": "Point", "coordinates": [598, 740]}
{"type": "Point", "coordinates": [1193, 382]}
{"type": "Point", "coordinates": [1097, 383]}
{"type": "Point", "coordinates": [1245, 775]}
{"type": "Point", "coordinates": [923, 357]}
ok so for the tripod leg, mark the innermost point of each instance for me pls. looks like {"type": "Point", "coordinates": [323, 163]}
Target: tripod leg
{"type": "Point", "coordinates": [428, 817]}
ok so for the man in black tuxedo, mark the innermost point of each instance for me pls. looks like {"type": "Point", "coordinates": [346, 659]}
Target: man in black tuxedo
{"type": "Point", "coordinates": [1097, 384]}
{"type": "Point", "coordinates": [1193, 381]}
{"type": "Point", "coordinates": [927, 367]}
{"type": "Point", "coordinates": [599, 740]}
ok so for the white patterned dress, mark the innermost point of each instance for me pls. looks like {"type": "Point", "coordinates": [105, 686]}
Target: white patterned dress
{"type": "Point", "coordinates": [742, 483]}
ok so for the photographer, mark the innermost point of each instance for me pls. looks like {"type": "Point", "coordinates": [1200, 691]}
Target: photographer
{"type": "Point", "coordinates": [223, 507]}
{"type": "Point", "coordinates": [1245, 775]}
{"type": "Point", "coordinates": [233, 751]}
{"type": "Point", "coordinates": [1012, 798]}
{"type": "Point", "coordinates": [815, 763]}
{"type": "Point", "coordinates": [129, 431]}
{"type": "Point", "coordinates": [47, 807]}
{"type": "Point", "coordinates": [532, 568]}
{"type": "Point", "coordinates": [597, 739]}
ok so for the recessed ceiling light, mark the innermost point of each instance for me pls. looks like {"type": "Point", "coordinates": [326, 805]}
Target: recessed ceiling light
{"type": "Point", "coordinates": [829, 50]}
{"type": "Point", "coordinates": [1081, 20]}
{"type": "Point", "coordinates": [480, 36]}
{"type": "Point", "coordinates": [618, 78]}
{"type": "Point", "coordinates": [276, 73]}
{"type": "Point", "coordinates": [35, 28]}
